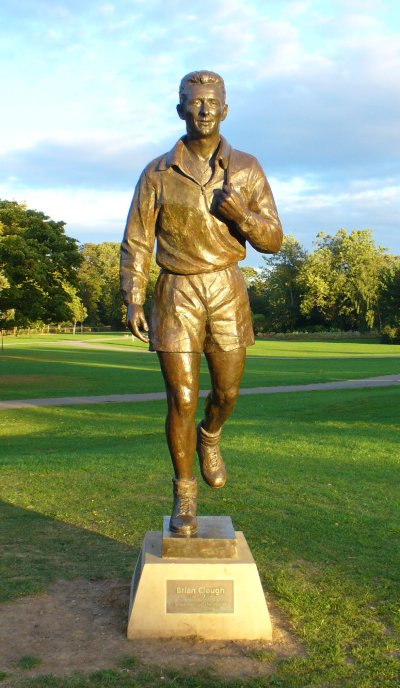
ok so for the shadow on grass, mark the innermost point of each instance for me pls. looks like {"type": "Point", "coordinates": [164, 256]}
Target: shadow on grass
{"type": "Point", "coordinates": [37, 550]}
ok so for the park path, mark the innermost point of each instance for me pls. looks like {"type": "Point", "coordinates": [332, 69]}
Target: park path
{"type": "Point", "coordinates": [381, 381]}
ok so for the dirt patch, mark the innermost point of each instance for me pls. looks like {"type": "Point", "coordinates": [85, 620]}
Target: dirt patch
{"type": "Point", "coordinates": [79, 626]}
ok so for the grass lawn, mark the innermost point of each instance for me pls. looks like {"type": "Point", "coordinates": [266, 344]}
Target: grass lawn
{"type": "Point", "coordinates": [313, 483]}
{"type": "Point", "coordinates": [262, 347]}
{"type": "Point", "coordinates": [49, 367]}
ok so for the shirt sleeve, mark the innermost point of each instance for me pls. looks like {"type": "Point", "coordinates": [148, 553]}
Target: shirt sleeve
{"type": "Point", "coordinates": [261, 225]}
{"type": "Point", "coordinates": [138, 242]}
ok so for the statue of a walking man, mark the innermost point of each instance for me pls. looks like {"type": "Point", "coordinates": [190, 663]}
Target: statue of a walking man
{"type": "Point", "coordinates": [200, 202]}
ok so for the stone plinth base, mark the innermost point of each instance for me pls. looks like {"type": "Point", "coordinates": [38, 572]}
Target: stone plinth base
{"type": "Point", "coordinates": [214, 598]}
{"type": "Point", "coordinates": [215, 539]}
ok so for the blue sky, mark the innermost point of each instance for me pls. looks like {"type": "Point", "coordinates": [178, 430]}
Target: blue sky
{"type": "Point", "coordinates": [89, 93]}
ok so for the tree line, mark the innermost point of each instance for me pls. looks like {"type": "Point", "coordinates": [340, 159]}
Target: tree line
{"type": "Point", "coordinates": [345, 283]}
{"type": "Point", "coordinates": [47, 278]}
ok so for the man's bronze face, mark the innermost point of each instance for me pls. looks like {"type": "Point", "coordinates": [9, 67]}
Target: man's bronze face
{"type": "Point", "coordinates": [203, 109]}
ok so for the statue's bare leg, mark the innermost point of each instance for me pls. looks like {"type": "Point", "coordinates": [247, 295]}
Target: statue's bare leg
{"type": "Point", "coordinates": [181, 377]}
{"type": "Point", "coordinates": [226, 370]}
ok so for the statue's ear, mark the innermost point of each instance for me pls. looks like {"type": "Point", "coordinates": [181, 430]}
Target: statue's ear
{"type": "Point", "coordinates": [179, 110]}
{"type": "Point", "coordinates": [224, 112]}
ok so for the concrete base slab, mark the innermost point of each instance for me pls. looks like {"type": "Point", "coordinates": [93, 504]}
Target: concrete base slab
{"type": "Point", "coordinates": [216, 599]}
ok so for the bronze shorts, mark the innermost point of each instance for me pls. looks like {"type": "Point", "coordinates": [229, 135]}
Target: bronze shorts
{"type": "Point", "coordinates": [205, 312]}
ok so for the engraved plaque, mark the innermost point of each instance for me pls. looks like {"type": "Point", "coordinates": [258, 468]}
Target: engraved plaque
{"type": "Point", "coordinates": [200, 597]}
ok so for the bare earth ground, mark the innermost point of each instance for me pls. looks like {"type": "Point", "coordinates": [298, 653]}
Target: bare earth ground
{"type": "Point", "coordinates": [79, 626]}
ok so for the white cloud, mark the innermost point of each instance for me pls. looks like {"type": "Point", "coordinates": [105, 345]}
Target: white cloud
{"type": "Point", "coordinates": [313, 89]}
{"type": "Point", "coordinates": [309, 193]}
{"type": "Point", "coordinates": [86, 211]}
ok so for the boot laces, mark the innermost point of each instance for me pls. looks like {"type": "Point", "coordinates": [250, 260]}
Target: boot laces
{"type": "Point", "coordinates": [213, 457]}
{"type": "Point", "coordinates": [185, 505]}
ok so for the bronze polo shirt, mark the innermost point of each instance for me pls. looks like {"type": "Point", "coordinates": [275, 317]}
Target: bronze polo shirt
{"type": "Point", "coordinates": [171, 206]}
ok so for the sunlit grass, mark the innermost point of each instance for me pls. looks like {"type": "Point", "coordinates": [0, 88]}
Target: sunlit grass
{"type": "Point", "coordinates": [34, 370]}
{"type": "Point", "coordinates": [319, 349]}
{"type": "Point", "coordinates": [313, 483]}
{"type": "Point", "coordinates": [262, 347]}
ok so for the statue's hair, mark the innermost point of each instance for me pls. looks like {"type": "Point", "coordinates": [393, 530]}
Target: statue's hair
{"type": "Point", "coordinates": [201, 77]}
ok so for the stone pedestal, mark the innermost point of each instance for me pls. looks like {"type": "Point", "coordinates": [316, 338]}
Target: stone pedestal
{"type": "Point", "coordinates": [183, 587]}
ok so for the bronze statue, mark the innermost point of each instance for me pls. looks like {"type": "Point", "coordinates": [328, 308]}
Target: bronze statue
{"type": "Point", "coordinates": [202, 201]}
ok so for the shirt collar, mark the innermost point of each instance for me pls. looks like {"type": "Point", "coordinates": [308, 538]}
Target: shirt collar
{"type": "Point", "coordinates": [176, 155]}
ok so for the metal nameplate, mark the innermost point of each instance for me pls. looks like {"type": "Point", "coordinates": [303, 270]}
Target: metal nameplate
{"type": "Point", "coordinates": [200, 597]}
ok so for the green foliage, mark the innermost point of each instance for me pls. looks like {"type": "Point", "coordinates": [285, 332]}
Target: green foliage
{"type": "Point", "coordinates": [274, 292]}
{"type": "Point", "coordinates": [100, 284]}
{"type": "Point", "coordinates": [260, 322]}
{"type": "Point", "coordinates": [347, 283]}
{"type": "Point", "coordinates": [153, 274]}
{"type": "Point", "coordinates": [281, 287]}
{"type": "Point", "coordinates": [341, 280]}
{"type": "Point", "coordinates": [6, 315]}
{"type": "Point", "coordinates": [250, 274]}
{"type": "Point", "coordinates": [78, 310]}
{"type": "Point", "coordinates": [37, 261]}
{"type": "Point", "coordinates": [389, 296]}
{"type": "Point", "coordinates": [390, 334]}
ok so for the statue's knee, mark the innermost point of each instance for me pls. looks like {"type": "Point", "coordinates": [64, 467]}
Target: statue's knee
{"type": "Point", "coordinates": [226, 397]}
{"type": "Point", "coordinates": [184, 402]}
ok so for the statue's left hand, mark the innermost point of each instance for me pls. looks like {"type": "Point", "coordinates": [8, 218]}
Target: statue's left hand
{"type": "Point", "coordinates": [231, 205]}
{"type": "Point", "coordinates": [136, 321]}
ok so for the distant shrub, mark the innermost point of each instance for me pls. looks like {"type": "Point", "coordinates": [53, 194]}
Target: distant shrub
{"type": "Point", "coordinates": [320, 335]}
{"type": "Point", "coordinates": [259, 322]}
{"type": "Point", "coordinates": [390, 334]}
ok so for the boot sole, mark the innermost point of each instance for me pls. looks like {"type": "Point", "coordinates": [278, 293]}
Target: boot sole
{"type": "Point", "coordinates": [214, 487]}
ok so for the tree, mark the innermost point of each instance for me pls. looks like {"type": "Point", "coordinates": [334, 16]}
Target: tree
{"type": "Point", "coordinates": [78, 310]}
{"type": "Point", "coordinates": [389, 299]}
{"type": "Point", "coordinates": [259, 322]}
{"type": "Point", "coordinates": [6, 316]}
{"type": "Point", "coordinates": [250, 274]}
{"type": "Point", "coordinates": [37, 260]}
{"type": "Point", "coordinates": [341, 280]}
{"type": "Point", "coordinates": [153, 274]}
{"type": "Point", "coordinates": [99, 284]}
{"type": "Point", "coordinates": [90, 281]}
{"type": "Point", "coordinates": [279, 285]}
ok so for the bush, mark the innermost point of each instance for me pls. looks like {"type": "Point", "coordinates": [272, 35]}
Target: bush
{"type": "Point", "coordinates": [259, 322]}
{"type": "Point", "coordinates": [320, 335]}
{"type": "Point", "coordinates": [390, 334]}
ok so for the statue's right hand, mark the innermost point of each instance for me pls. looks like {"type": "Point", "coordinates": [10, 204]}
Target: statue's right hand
{"type": "Point", "coordinates": [136, 321]}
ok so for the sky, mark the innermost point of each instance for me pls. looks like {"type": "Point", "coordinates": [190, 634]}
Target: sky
{"type": "Point", "coordinates": [313, 86]}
